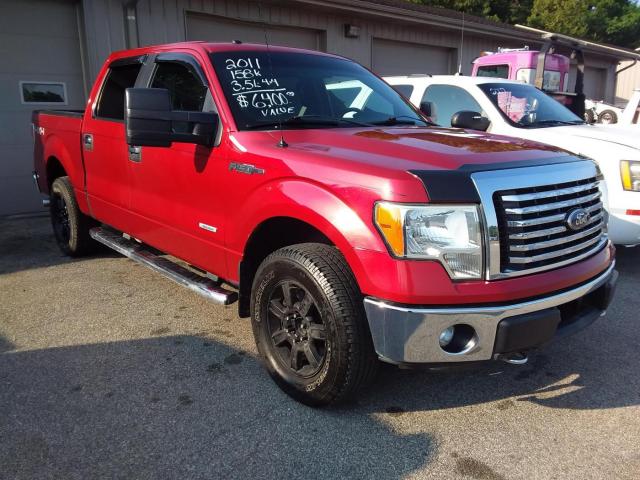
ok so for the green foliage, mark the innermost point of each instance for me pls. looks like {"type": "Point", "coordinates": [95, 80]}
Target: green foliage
{"type": "Point", "coordinates": [569, 17]}
{"type": "Point", "coordinates": [608, 21]}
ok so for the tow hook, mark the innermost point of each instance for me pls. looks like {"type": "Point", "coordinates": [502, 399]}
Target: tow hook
{"type": "Point", "coordinates": [517, 358]}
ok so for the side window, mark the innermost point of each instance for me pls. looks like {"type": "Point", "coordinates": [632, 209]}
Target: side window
{"type": "Point", "coordinates": [495, 71]}
{"type": "Point", "coordinates": [119, 78]}
{"type": "Point", "coordinates": [185, 88]}
{"type": "Point", "coordinates": [446, 100]}
{"type": "Point", "coordinates": [405, 90]}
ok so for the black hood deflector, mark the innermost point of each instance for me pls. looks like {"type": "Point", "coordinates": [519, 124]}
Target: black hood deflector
{"type": "Point", "coordinates": [456, 186]}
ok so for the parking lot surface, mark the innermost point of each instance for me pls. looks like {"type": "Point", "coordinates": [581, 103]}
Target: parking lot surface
{"type": "Point", "coordinates": [108, 370]}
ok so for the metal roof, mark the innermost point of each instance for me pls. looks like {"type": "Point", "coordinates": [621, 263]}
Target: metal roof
{"type": "Point", "coordinates": [406, 11]}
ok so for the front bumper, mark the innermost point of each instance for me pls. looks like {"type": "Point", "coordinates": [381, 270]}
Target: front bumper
{"type": "Point", "coordinates": [410, 334]}
{"type": "Point", "coordinates": [624, 229]}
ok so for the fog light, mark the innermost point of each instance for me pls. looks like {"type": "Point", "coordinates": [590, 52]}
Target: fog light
{"type": "Point", "coordinates": [446, 336]}
{"type": "Point", "coordinates": [458, 339]}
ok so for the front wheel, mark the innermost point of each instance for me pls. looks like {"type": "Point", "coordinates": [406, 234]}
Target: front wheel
{"type": "Point", "coordinates": [309, 324]}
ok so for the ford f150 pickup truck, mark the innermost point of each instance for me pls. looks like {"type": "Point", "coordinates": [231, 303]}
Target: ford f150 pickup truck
{"type": "Point", "coordinates": [348, 234]}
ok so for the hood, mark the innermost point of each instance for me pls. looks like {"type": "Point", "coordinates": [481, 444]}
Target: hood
{"type": "Point", "coordinates": [625, 136]}
{"type": "Point", "coordinates": [413, 148]}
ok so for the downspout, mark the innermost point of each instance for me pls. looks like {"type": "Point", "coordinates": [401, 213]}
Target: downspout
{"type": "Point", "coordinates": [82, 40]}
{"type": "Point", "coordinates": [131, 24]}
{"type": "Point", "coordinates": [627, 67]}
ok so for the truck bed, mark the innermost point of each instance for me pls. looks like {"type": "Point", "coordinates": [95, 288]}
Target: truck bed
{"type": "Point", "coordinates": [61, 113]}
{"type": "Point", "coordinates": [56, 133]}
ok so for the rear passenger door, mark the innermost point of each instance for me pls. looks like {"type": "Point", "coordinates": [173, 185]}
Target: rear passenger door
{"type": "Point", "coordinates": [105, 151]}
{"type": "Point", "coordinates": [176, 192]}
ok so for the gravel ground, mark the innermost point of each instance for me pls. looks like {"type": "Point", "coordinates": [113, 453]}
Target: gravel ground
{"type": "Point", "coordinates": [109, 371]}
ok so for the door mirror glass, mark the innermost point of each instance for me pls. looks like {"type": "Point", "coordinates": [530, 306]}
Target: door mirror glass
{"type": "Point", "coordinates": [470, 120]}
{"type": "Point", "coordinates": [150, 121]}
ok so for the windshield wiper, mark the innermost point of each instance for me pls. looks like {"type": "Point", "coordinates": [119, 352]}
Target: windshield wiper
{"type": "Point", "coordinates": [552, 122]}
{"type": "Point", "coordinates": [308, 120]}
{"type": "Point", "coordinates": [401, 120]}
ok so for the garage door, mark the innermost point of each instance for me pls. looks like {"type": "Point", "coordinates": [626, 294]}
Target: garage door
{"type": "Point", "coordinates": [594, 83]}
{"type": "Point", "coordinates": [39, 68]}
{"type": "Point", "coordinates": [219, 29]}
{"type": "Point", "coordinates": [401, 58]}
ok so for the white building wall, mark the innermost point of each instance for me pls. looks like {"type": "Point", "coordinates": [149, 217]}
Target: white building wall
{"type": "Point", "coordinates": [628, 80]}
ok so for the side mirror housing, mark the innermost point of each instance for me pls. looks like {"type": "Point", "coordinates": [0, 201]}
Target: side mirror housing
{"type": "Point", "coordinates": [470, 120]}
{"type": "Point", "coordinates": [427, 108]}
{"type": "Point", "coordinates": [150, 121]}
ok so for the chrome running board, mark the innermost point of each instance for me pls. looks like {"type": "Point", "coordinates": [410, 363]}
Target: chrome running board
{"type": "Point", "coordinates": [173, 271]}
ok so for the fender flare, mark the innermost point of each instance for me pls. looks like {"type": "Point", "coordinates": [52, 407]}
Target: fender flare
{"type": "Point", "coordinates": [54, 147]}
{"type": "Point", "coordinates": [314, 205]}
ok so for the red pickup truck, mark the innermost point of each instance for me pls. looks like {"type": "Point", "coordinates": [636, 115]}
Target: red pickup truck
{"type": "Point", "coordinates": [350, 229]}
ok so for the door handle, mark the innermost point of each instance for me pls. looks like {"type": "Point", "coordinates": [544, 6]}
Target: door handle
{"type": "Point", "coordinates": [87, 141]}
{"type": "Point", "coordinates": [135, 153]}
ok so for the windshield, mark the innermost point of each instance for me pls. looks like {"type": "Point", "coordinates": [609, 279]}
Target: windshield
{"type": "Point", "coordinates": [525, 106]}
{"type": "Point", "coordinates": [306, 91]}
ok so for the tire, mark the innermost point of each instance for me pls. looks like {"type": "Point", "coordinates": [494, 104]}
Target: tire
{"type": "Point", "coordinates": [608, 117]}
{"type": "Point", "coordinates": [320, 323]}
{"type": "Point", "coordinates": [70, 226]}
{"type": "Point", "coordinates": [589, 116]}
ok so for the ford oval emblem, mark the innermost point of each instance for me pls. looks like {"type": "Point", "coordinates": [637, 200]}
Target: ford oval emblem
{"type": "Point", "coordinates": [577, 219]}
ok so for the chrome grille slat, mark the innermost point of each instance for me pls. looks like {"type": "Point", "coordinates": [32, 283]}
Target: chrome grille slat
{"type": "Point", "coordinates": [558, 241]}
{"type": "Point", "coordinates": [537, 233]}
{"type": "Point", "coordinates": [533, 228]}
{"type": "Point", "coordinates": [574, 202]}
{"type": "Point", "coordinates": [549, 231]}
{"type": "Point", "coordinates": [554, 254]}
{"type": "Point", "coordinates": [549, 193]}
{"type": "Point", "coordinates": [550, 219]}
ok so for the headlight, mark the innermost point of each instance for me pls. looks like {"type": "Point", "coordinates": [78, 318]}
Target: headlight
{"type": "Point", "coordinates": [630, 173]}
{"type": "Point", "coordinates": [450, 234]}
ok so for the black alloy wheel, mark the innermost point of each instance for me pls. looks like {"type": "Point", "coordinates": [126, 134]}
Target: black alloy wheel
{"type": "Point", "coordinates": [60, 218]}
{"type": "Point", "coordinates": [296, 329]}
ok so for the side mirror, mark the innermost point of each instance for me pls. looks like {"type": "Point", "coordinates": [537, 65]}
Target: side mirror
{"type": "Point", "coordinates": [427, 108]}
{"type": "Point", "coordinates": [470, 120]}
{"type": "Point", "coordinates": [150, 121]}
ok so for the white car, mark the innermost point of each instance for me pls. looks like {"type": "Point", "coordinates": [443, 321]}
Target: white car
{"type": "Point", "coordinates": [508, 107]}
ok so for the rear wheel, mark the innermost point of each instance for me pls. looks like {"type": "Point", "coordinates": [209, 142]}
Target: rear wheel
{"type": "Point", "coordinates": [309, 324]}
{"type": "Point", "coordinates": [70, 226]}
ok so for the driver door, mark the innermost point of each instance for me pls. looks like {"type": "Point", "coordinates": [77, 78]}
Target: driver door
{"type": "Point", "coordinates": [176, 192]}
{"type": "Point", "coordinates": [446, 100]}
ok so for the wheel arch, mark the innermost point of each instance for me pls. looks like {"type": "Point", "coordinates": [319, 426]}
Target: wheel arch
{"type": "Point", "coordinates": [266, 238]}
{"type": "Point", "coordinates": [57, 151]}
{"type": "Point", "coordinates": [306, 212]}
{"type": "Point", "coordinates": [54, 169]}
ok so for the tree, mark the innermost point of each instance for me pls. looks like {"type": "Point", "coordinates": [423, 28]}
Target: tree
{"type": "Point", "coordinates": [608, 21]}
{"type": "Point", "coordinates": [510, 11]}
{"type": "Point", "coordinates": [569, 17]}
{"type": "Point", "coordinates": [621, 25]}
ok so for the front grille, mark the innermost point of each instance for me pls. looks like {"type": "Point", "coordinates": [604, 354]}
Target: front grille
{"type": "Point", "coordinates": [533, 228]}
